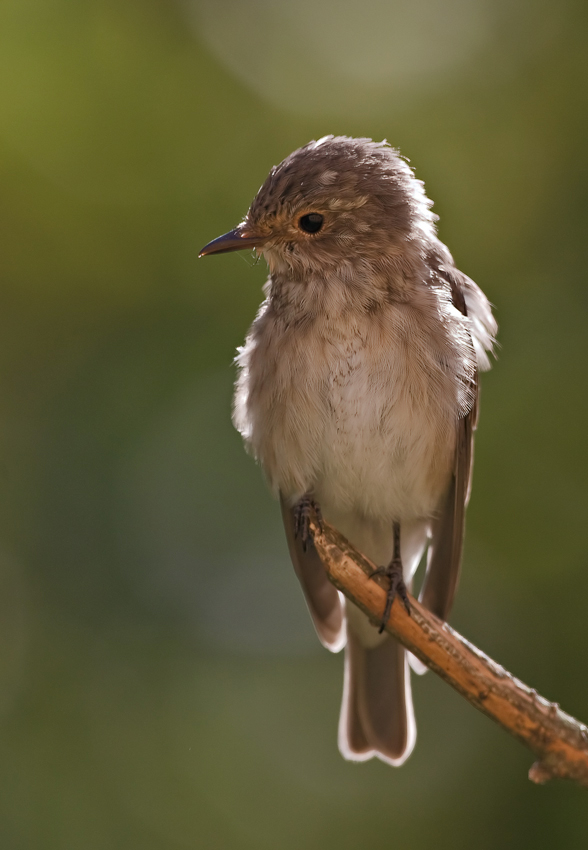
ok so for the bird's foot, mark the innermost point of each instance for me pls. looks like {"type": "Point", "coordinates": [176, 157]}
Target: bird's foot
{"type": "Point", "coordinates": [302, 514]}
{"type": "Point", "coordinates": [397, 586]}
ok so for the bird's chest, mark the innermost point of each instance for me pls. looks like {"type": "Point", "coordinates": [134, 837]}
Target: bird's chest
{"type": "Point", "coordinates": [352, 404]}
{"type": "Point", "coordinates": [347, 388]}
{"type": "Point", "coordinates": [388, 434]}
{"type": "Point", "coordinates": [358, 412]}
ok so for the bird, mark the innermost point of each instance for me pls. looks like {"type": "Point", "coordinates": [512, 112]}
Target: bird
{"type": "Point", "coordinates": [357, 392]}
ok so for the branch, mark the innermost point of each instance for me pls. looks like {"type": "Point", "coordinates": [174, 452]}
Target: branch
{"type": "Point", "coordinates": [558, 740]}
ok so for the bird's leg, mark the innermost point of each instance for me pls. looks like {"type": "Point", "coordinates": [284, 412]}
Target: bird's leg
{"type": "Point", "coordinates": [302, 513]}
{"type": "Point", "coordinates": [395, 574]}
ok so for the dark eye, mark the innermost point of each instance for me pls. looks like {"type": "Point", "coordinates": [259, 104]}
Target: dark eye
{"type": "Point", "coordinates": [311, 223]}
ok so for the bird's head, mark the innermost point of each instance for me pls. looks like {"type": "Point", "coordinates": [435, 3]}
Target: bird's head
{"type": "Point", "coordinates": [331, 205]}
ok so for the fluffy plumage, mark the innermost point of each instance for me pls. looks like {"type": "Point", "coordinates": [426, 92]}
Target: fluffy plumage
{"type": "Point", "coordinates": [358, 385]}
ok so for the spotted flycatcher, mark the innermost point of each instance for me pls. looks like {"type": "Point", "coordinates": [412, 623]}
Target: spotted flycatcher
{"type": "Point", "coordinates": [358, 394]}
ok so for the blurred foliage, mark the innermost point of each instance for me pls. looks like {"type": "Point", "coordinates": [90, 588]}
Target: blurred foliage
{"type": "Point", "coordinates": [160, 684]}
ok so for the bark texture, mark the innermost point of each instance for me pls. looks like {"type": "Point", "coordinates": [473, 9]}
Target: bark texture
{"type": "Point", "coordinates": [559, 741]}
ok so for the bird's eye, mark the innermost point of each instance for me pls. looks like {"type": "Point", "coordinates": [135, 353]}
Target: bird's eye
{"type": "Point", "coordinates": [311, 222]}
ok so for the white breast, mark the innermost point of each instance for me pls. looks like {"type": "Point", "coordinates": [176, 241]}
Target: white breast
{"type": "Point", "coordinates": [360, 409]}
{"type": "Point", "coordinates": [389, 438]}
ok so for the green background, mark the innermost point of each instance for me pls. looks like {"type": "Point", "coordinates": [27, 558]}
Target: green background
{"type": "Point", "coordinates": [160, 683]}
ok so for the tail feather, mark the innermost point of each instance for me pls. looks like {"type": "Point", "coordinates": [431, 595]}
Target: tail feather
{"type": "Point", "coordinates": [377, 717]}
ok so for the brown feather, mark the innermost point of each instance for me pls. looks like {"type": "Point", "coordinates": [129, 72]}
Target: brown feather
{"type": "Point", "coordinates": [357, 383]}
{"type": "Point", "coordinates": [375, 716]}
{"type": "Point", "coordinates": [444, 559]}
{"type": "Point", "coordinates": [321, 596]}
{"type": "Point", "coordinates": [448, 527]}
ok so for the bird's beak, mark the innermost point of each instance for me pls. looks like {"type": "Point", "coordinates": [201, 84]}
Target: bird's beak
{"type": "Point", "coordinates": [234, 240]}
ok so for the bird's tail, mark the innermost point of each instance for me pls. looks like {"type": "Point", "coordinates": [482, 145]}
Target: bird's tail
{"type": "Point", "coordinates": [377, 717]}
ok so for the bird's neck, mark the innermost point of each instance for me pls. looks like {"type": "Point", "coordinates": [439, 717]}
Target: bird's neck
{"type": "Point", "coordinates": [359, 286]}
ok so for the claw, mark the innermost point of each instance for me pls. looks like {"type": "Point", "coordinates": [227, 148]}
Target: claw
{"type": "Point", "coordinates": [318, 515]}
{"type": "Point", "coordinates": [397, 586]}
{"type": "Point", "coordinates": [302, 513]}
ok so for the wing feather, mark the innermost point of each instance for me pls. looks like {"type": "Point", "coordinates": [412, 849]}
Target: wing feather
{"type": "Point", "coordinates": [445, 550]}
{"type": "Point", "coordinates": [444, 558]}
{"type": "Point", "coordinates": [322, 598]}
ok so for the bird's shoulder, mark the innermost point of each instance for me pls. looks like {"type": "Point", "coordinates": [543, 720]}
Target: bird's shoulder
{"type": "Point", "coordinates": [469, 299]}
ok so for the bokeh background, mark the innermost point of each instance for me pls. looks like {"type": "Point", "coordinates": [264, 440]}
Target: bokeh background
{"type": "Point", "coordinates": [160, 683]}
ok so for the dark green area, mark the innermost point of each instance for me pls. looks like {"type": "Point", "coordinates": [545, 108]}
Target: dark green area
{"type": "Point", "coordinates": [160, 684]}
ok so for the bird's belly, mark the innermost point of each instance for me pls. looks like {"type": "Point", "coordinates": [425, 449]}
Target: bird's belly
{"type": "Point", "coordinates": [366, 420]}
{"type": "Point", "coordinates": [385, 456]}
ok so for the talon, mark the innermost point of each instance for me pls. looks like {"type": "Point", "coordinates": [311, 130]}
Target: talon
{"type": "Point", "coordinates": [302, 513]}
{"type": "Point", "coordinates": [397, 586]}
{"type": "Point", "coordinates": [318, 515]}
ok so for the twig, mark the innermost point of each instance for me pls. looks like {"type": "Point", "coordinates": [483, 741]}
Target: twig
{"type": "Point", "coordinates": [559, 741]}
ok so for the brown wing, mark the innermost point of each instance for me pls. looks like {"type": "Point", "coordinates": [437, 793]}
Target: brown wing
{"type": "Point", "coordinates": [444, 557]}
{"type": "Point", "coordinates": [321, 596]}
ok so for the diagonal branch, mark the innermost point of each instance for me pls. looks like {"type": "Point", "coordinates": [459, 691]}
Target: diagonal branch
{"type": "Point", "coordinates": [558, 740]}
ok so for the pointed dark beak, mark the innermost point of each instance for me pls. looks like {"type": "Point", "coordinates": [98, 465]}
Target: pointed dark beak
{"type": "Point", "coordinates": [234, 240]}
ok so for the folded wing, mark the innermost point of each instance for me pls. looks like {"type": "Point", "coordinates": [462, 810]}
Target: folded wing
{"type": "Point", "coordinates": [321, 596]}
